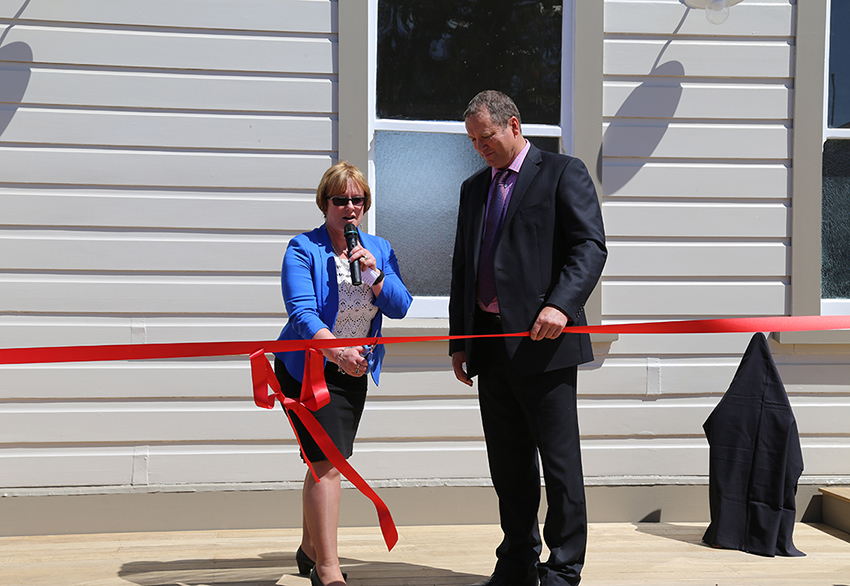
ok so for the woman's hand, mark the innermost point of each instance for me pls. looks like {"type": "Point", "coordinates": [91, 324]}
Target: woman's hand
{"type": "Point", "coordinates": [368, 266]}
{"type": "Point", "coordinates": [351, 360]}
{"type": "Point", "coordinates": [358, 253]}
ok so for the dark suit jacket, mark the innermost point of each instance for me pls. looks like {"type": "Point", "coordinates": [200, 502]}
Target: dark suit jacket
{"type": "Point", "coordinates": [755, 460]}
{"type": "Point", "coordinates": [551, 252]}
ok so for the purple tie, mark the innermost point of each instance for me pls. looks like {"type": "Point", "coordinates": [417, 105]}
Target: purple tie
{"type": "Point", "coordinates": [492, 228]}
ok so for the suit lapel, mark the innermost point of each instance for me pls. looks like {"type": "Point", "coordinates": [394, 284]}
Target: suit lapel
{"type": "Point", "coordinates": [478, 192]}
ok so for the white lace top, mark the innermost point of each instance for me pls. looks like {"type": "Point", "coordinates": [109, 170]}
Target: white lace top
{"type": "Point", "coordinates": [356, 311]}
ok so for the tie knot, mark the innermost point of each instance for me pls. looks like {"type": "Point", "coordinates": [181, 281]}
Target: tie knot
{"type": "Point", "coordinates": [502, 176]}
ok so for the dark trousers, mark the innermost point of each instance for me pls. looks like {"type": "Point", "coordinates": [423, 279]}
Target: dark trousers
{"type": "Point", "coordinates": [524, 416]}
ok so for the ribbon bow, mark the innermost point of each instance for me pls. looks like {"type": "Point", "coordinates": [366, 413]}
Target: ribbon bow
{"type": "Point", "coordinates": [314, 396]}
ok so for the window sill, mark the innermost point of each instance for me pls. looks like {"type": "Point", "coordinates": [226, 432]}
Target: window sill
{"type": "Point", "coordinates": [831, 337]}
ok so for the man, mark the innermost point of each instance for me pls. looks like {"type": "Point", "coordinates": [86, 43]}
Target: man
{"type": "Point", "coordinates": [529, 249]}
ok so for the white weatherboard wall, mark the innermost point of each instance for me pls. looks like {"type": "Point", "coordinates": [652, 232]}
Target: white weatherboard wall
{"type": "Point", "coordinates": [156, 158]}
{"type": "Point", "coordinates": [697, 180]}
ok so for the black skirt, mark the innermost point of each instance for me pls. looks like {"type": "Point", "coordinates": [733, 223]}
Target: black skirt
{"type": "Point", "coordinates": [339, 418]}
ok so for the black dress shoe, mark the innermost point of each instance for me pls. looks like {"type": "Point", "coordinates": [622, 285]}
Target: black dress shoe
{"type": "Point", "coordinates": [494, 580]}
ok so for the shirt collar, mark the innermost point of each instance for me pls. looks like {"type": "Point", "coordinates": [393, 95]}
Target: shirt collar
{"type": "Point", "coordinates": [516, 164]}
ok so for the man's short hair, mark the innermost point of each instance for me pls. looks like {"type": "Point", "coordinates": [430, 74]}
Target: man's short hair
{"type": "Point", "coordinates": [500, 106]}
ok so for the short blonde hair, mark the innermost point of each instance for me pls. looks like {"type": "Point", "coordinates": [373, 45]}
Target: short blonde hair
{"type": "Point", "coordinates": [335, 181]}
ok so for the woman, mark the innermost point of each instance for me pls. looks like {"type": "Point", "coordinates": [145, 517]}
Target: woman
{"type": "Point", "coordinates": [323, 304]}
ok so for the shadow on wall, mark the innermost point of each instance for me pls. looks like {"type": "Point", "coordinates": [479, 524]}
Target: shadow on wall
{"type": "Point", "coordinates": [15, 71]}
{"type": "Point", "coordinates": [647, 101]}
{"type": "Point", "coordinates": [644, 102]}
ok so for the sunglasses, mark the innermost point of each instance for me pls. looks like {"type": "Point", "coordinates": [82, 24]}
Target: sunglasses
{"type": "Point", "coordinates": [340, 201]}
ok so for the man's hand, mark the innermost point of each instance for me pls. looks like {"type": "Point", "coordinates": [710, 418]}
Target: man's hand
{"type": "Point", "coordinates": [458, 363]}
{"type": "Point", "coordinates": [549, 324]}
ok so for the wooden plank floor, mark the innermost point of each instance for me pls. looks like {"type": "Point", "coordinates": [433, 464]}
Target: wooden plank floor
{"type": "Point", "coordinates": [619, 554]}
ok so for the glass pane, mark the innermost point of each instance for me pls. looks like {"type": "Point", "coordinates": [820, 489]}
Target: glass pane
{"type": "Point", "coordinates": [839, 65]}
{"type": "Point", "coordinates": [435, 55]}
{"type": "Point", "coordinates": [835, 243]}
{"type": "Point", "coordinates": [417, 185]}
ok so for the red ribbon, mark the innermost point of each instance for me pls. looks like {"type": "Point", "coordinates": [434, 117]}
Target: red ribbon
{"type": "Point", "coordinates": [314, 396]}
{"type": "Point", "coordinates": [314, 392]}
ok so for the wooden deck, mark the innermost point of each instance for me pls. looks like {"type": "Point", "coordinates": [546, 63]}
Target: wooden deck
{"type": "Point", "coordinates": [619, 554]}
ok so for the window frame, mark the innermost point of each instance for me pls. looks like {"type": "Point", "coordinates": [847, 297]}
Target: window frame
{"type": "Point", "coordinates": [582, 136]}
{"type": "Point", "coordinates": [807, 169]}
{"type": "Point", "coordinates": [831, 306]}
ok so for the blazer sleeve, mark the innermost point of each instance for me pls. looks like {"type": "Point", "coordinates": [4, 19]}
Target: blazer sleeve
{"type": "Point", "coordinates": [395, 299]}
{"type": "Point", "coordinates": [584, 250]}
{"type": "Point", "coordinates": [457, 295]}
{"type": "Point", "coordinates": [303, 303]}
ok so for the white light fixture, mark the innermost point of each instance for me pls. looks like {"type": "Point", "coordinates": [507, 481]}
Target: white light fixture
{"type": "Point", "coordinates": [716, 11]}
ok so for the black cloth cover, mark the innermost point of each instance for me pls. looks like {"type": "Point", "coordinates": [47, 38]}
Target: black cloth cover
{"type": "Point", "coordinates": [755, 460]}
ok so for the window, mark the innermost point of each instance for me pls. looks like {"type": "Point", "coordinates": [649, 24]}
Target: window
{"type": "Point", "coordinates": [810, 131]}
{"type": "Point", "coordinates": [429, 60]}
{"type": "Point", "coordinates": [835, 214]}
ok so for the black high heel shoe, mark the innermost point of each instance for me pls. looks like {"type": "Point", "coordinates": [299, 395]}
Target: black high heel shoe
{"type": "Point", "coordinates": [305, 564]}
{"type": "Point", "coordinates": [316, 581]}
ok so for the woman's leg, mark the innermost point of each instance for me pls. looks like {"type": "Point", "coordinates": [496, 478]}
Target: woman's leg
{"type": "Point", "coordinates": [321, 516]}
{"type": "Point", "coordinates": [306, 542]}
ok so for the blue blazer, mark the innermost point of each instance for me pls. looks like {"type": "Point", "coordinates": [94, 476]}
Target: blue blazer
{"type": "Point", "coordinates": [311, 293]}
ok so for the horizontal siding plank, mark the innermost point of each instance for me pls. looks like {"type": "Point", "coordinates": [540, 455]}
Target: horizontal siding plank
{"type": "Point", "coordinates": [171, 90]}
{"type": "Point", "coordinates": [799, 379]}
{"type": "Point", "coordinates": [647, 178]}
{"type": "Point", "coordinates": [651, 378]}
{"type": "Point", "coordinates": [263, 15]}
{"type": "Point", "coordinates": [384, 420]}
{"type": "Point", "coordinates": [699, 58]}
{"type": "Point", "coordinates": [222, 378]}
{"type": "Point", "coordinates": [746, 19]}
{"type": "Point", "coordinates": [212, 421]}
{"type": "Point", "coordinates": [200, 379]}
{"type": "Point", "coordinates": [709, 345]}
{"type": "Point", "coordinates": [690, 457]}
{"type": "Point", "coordinates": [373, 460]}
{"type": "Point", "coordinates": [670, 98]}
{"type": "Point", "coordinates": [139, 294]}
{"type": "Point", "coordinates": [684, 259]}
{"type": "Point", "coordinates": [181, 51]}
{"type": "Point", "coordinates": [732, 299]}
{"type": "Point", "coordinates": [66, 466]}
{"type": "Point", "coordinates": [59, 330]}
{"type": "Point", "coordinates": [127, 380]}
{"type": "Point", "coordinates": [100, 167]}
{"type": "Point", "coordinates": [436, 381]}
{"type": "Point", "coordinates": [610, 376]}
{"type": "Point", "coordinates": [696, 141]}
{"type": "Point", "coordinates": [684, 417]}
{"type": "Point", "coordinates": [696, 220]}
{"type": "Point", "coordinates": [447, 460]}
{"type": "Point", "coordinates": [157, 130]}
{"type": "Point", "coordinates": [104, 208]}
{"type": "Point", "coordinates": [53, 250]}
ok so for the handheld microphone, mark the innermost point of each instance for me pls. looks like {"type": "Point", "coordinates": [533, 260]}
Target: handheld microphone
{"type": "Point", "coordinates": [351, 239]}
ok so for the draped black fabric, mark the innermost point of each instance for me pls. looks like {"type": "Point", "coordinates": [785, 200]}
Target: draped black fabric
{"type": "Point", "coordinates": [755, 460]}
